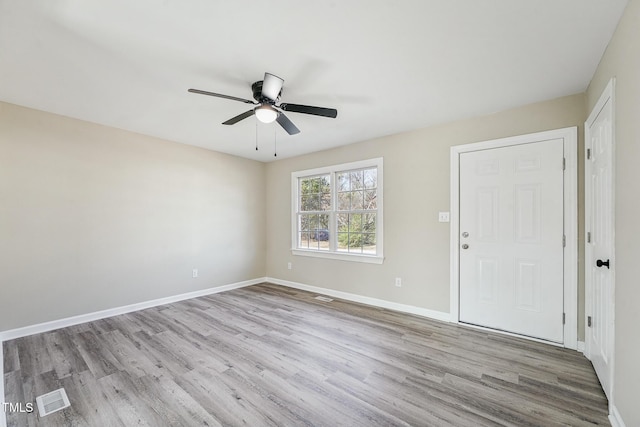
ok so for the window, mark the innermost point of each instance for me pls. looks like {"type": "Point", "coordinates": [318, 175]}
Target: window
{"type": "Point", "coordinates": [337, 211]}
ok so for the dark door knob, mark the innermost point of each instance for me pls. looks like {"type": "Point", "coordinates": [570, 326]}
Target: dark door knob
{"type": "Point", "coordinates": [601, 263]}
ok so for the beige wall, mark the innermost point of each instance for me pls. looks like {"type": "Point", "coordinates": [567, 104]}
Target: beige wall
{"type": "Point", "coordinates": [416, 187]}
{"type": "Point", "coordinates": [93, 218]}
{"type": "Point", "coordinates": [622, 61]}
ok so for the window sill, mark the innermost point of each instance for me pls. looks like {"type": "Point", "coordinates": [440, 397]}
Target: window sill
{"type": "Point", "coordinates": [369, 259]}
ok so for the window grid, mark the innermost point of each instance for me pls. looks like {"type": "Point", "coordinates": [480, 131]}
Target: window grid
{"type": "Point", "coordinates": [356, 210]}
{"type": "Point", "coordinates": [314, 203]}
{"type": "Point", "coordinates": [339, 211]}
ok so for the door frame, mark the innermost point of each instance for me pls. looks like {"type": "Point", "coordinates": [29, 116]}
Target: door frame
{"type": "Point", "coordinates": [607, 94]}
{"type": "Point", "coordinates": [570, 140]}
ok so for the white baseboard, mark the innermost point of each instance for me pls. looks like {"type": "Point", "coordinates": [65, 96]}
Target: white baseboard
{"type": "Point", "coordinates": [581, 346]}
{"type": "Point", "coordinates": [90, 317]}
{"type": "Point", "coordinates": [614, 417]}
{"type": "Point", "coordinates": [424, 312]}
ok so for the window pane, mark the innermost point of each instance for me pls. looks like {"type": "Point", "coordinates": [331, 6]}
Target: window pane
{"type": "Point", "coordinates": [325, 184]}
{"type": "Point", "coordinates": [343, 241]}
{"type": "Point", "coordinates": [369, 223]}
{"type": "Point", "coordinates": [342, 221]}
{"type": "Point", "coordinates": [369, 244]}
{"type": "Point", "coordinates": [315, 193]}
{"type": "Point", "coordinates": [305, 204]}
{"type": "Point", "coordinates": [305, 186]}
{"type": "Point", "coordinates": [325, 202]}
{"type": "Point", "coordinates": [371, 178]}
{"type": "Point", "coordinates": [321, 237]}
{"type": "Point", "coordinates": [357, 180]}
{"type": "Point", "coordinates": [304, 223]}
{"type": "Point", "coordinates": [343, 181]}
{"type": "Point", "coordinates": [368, 239]}
{"type": "Point", "coordinates": [319, 232]}
{"type": "Point", "coordinates": [314, 222]}
{"type": "Point", "coordinates": [355, 223]}
{"type": "Point", "coordinates": [370, 199]}
{"type": "Point", "coordinates": [354, 248]}
{"type": "Point", "coordinates": [323, 221]}
{"type": "Point", "coordinates": [356, 200]}
{"type": "Point", "coordinates": [303, 242]}
{"type": "Point", "coordinates": [344, 201]}
{"type": "Point", "coordinates": [313, 244]}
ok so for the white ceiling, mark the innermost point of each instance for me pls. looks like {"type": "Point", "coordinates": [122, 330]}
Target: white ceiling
{"type": "Point", "coordinates": [386, 66]}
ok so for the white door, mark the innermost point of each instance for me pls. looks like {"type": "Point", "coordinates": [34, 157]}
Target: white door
{"type": "Point", "coordinates": [511, 239]}
{"type": "Point", "coordinates": [599, 246]}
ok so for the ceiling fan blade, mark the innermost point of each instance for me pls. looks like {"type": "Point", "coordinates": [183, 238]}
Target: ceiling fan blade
{"type": "Point", "coordinates": [219, 95]}
{"type": "Point", "coordinates": [271, 86]}
{"type": "Point", "coordinates": [287, 124]}
{"type": "Point", "coordinates": [308, 109]}
{"type": "Point", "coordinates": [236, 119]}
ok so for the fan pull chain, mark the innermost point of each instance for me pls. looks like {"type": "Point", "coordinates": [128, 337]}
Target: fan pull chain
{"type": "Point", "coordinates": [256, 134]}
{"type": "Point", "coordinates": [275, 143]}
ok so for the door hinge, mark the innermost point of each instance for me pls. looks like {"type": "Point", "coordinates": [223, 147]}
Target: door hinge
{"type": "Point", "coordinates": [589, 321]}
{"type": "Point", "coordinates": [564, 318]}
{"type": "Point", "coordinates": [564, 241]}
{"type": "Point", "coordinates": [564, 163]}
{"type": "Point", "coordinates": [588, 153]}
{"type": "Point", "coordinates": [588, 237]}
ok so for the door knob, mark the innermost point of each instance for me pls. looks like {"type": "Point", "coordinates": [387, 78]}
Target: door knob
{"type": "Point", "coordinates": [465, 234]}
{"type": "Point", "coordinates": [465, 246]}
{"type": "Point", "coordinates": [601, 263]}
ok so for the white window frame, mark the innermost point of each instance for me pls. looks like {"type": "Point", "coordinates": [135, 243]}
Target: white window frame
{"type": "Point", "coordinates": [378, 258]}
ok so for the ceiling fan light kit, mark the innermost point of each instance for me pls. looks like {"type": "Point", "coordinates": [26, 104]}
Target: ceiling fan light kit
{"type": "Point", "coordinates": [266, 113]}
{"type": "Point", "coordinates": [268, 108]}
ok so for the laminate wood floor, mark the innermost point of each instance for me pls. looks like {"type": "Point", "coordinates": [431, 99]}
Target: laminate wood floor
{"type": "Point", "coordinates": [266, 355]}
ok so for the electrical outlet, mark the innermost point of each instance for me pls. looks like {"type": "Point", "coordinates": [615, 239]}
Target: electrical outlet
{"type": "Point", "coordinates": [289, 266]}
{"type": "Point", "coordinates": [443, 216]}
{"type": "Point", "coordinates": [398, 281]}
{"type": "Point", "coordinates": [195, 272]}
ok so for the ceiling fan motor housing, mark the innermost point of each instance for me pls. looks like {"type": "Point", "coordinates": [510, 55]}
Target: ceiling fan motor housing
{"type": "Point", "coordinates": [257, 94]}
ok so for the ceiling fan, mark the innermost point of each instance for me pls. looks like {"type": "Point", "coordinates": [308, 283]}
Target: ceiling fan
{"type": "Point", "coordinates": [267, 93]}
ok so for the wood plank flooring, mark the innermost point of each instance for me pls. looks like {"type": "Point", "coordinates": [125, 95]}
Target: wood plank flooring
{"type": "Point", "coordinates": [266, 355]}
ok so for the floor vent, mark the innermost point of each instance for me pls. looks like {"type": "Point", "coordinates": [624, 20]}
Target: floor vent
{"type": "Point", "coordinates": [325, 299]}
{"type": "Point", "coordinates": [52, 402]}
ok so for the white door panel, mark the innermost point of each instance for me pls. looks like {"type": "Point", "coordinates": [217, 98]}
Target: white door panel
{"type": "Point", "coordinates": [599, 224]}
{"type": "Point", "coordinates": [511, 269]}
